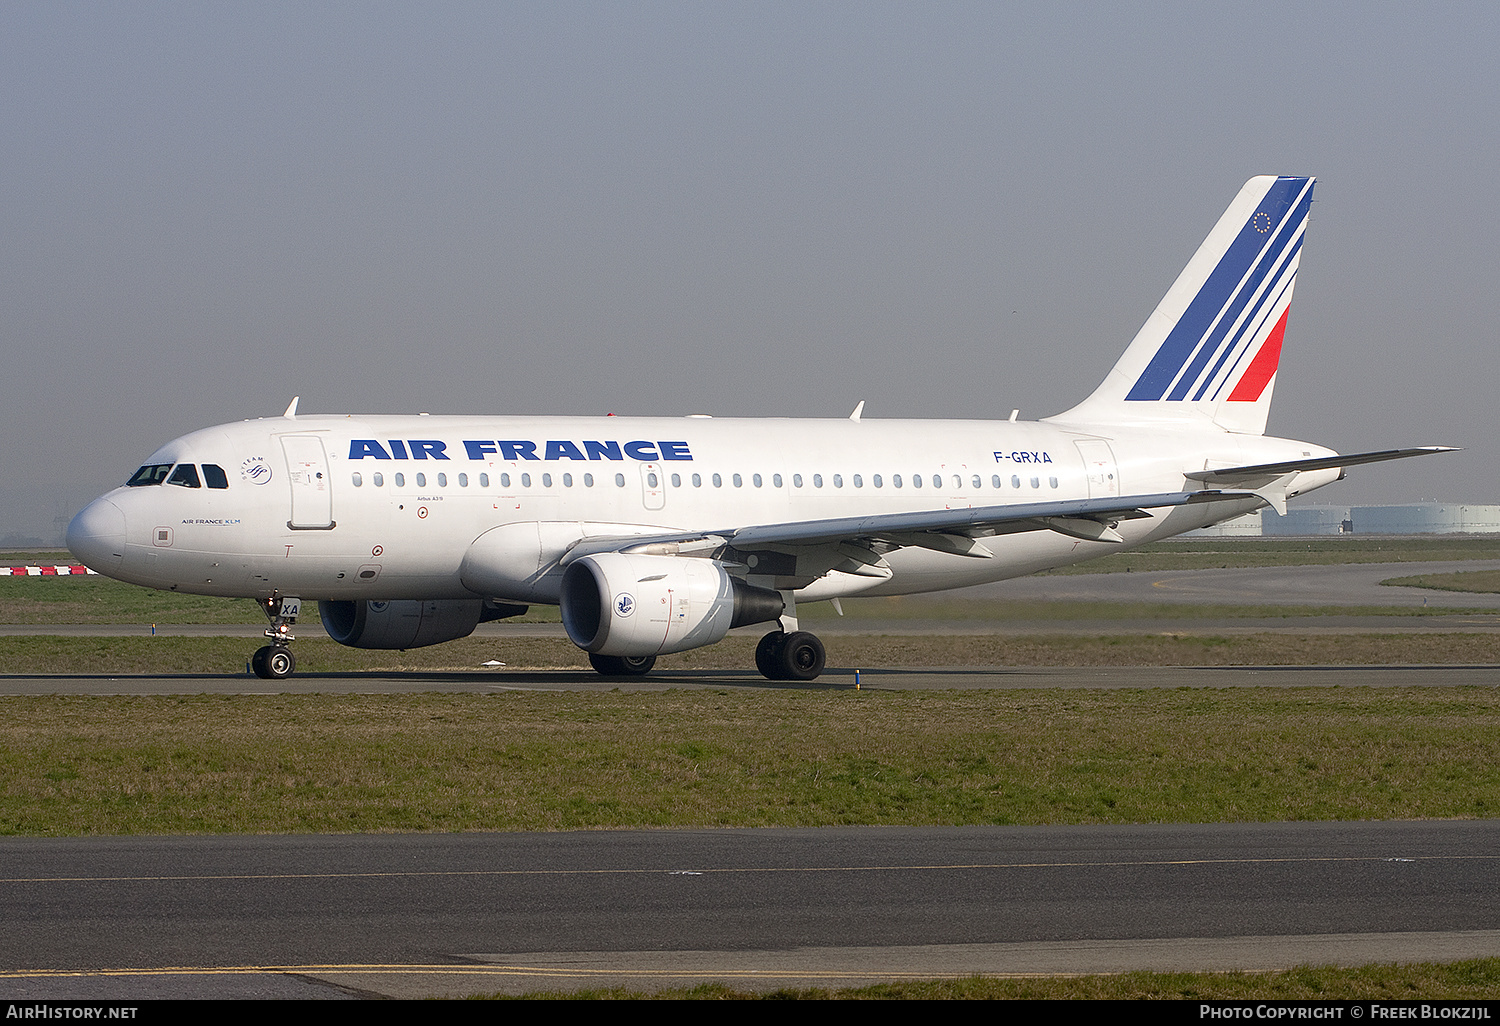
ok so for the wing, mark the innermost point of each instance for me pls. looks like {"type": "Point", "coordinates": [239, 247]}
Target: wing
{"type": "Point", "coordinates": [855, 544]}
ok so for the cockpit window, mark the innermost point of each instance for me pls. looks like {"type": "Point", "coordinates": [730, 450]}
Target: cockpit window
{"type": "Point", "coordinates": [185, 475]}
{"type": "Point", "coordinates": [214, 476]}
{"type": "Point", "coordinates": [150, 474]}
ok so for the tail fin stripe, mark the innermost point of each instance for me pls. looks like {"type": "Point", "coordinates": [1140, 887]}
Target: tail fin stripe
{"type": "Point", "coordinates": [1288, 236]}
{"type": "Point", "coordinates": [1218, 290]}
{"type": "Point", "coordinates": [1253, 382]}
{"type": "Point", "coordinates": [1254, 319]}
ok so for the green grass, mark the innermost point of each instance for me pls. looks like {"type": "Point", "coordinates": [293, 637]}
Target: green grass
{"type": "Point", "coordinates": [1482, 581]}
{"type": "Point", "coordinates": [1474, 979]}
{"type": "Point", "coordinates": [521, 760]}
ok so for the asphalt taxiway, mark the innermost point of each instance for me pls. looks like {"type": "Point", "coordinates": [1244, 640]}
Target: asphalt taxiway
{"type": "Point", "coordinates": [419, 914]}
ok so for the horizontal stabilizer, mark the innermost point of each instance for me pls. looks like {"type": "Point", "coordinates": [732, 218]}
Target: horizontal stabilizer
{"type": "Point", "coordinates": [1238, 475]}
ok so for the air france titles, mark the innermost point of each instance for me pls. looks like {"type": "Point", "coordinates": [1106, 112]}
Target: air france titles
{"type": "Point", "coordinates": [519, 449]}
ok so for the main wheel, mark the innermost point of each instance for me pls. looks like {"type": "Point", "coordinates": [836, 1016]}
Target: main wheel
{"type": "Point", "coordinates": [768, 655]}
{"type": "Point", "coordinates": [622, 666]}
{"type": "Point", "coordinates": [801, 657]}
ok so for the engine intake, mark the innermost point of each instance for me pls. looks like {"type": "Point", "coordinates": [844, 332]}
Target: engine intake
{"type": "Point", "coordinates": [628, 604]}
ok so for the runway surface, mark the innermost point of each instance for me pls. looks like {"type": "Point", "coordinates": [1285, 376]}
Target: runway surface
{"type": "Point", "coordinates": [919, 679]}
{"type": "Point", "coordinates": [413, 915]}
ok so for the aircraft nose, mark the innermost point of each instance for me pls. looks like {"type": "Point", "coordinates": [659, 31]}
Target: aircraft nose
{"type": "Point", "coordinates": [97, 536]}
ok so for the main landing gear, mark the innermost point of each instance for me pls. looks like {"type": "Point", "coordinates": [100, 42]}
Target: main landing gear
{"type": "Point", "coordinates": [797, 655]}
{"type": "Point", "coordinates": [275, 661]}
{"type": "Point", "coordinates": [622, 666]}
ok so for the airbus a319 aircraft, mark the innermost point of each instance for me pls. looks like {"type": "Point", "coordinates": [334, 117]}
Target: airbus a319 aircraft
{"type": "Point", "coordinates": [660, 535]}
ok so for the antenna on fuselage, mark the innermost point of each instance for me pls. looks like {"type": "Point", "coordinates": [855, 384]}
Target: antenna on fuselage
{"type": "Point", "coordinates": [857, 411]}
{"type": "Point", "coordinates": [291, 408]}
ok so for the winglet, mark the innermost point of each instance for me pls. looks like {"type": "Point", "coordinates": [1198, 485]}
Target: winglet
{"type": "Point", "coordinates": [291, 408]}
{"type": "Point", "coordinates": [857, 411]}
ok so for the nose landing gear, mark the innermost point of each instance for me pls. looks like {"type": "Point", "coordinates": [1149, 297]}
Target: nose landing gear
{"type": "Point", "coordinates": [275, 661]}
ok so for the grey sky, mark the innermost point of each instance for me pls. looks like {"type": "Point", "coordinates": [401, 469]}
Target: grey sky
{"type": "Point", "coordinates": [739, 209]}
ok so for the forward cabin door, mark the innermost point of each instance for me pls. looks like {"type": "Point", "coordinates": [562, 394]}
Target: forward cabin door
{"type": "Point", "coordinates": [312, 496]}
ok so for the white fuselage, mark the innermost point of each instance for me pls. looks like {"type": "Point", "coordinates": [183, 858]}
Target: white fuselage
{"type": "Point", "coordinates": [385, 507]}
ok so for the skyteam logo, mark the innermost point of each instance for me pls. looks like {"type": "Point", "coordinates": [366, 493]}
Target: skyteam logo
{"type": "Point", "coordinates": [624, 604]}
{"type": "Point", "coordinates": [256, 470]}
{"type": "Point", "coordinates": [1228, 340]}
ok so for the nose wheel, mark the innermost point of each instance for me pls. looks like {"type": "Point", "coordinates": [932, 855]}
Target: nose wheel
{"type": "Point", "coordinates": [275, 661]}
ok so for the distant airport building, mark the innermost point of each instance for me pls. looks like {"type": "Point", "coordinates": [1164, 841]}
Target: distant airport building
{"type": "Point", "coordinates": [1410, 518]}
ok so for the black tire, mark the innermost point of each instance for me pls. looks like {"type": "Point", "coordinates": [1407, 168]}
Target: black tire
{"type": "Point", "coordinates": [258, 663]}
{"type": "Point", "coordinates": [622, 666]}
{"type": "Point", "coordinates": [279, 662]}
{"type": "Point", "coordinates": [801, 657]}
{"type": "Point", "coordinates": [768, 655]}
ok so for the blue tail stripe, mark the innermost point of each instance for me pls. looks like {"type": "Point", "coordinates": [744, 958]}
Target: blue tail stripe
{"type": "Point", "coordinates": [1215, 340]}
{"type": "Point", "coordinates": [1253, 320]}
{"type": "Point", "coordinates": [1213, 296]}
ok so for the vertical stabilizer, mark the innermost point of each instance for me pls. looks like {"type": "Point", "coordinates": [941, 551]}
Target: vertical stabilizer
{"type": "Point", "coordinates": [1209, 352]}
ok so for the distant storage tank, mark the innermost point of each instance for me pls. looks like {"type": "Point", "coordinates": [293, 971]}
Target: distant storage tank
{"type": "Point", "coordinates": [1427, 518]}
{"type": "Point", "coordinates": [1307, 520]}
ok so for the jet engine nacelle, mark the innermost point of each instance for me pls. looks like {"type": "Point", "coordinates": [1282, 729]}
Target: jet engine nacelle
{"type": "Point", "coordinates": [628, 604]}
{"type": "Point", "coordinates": [407, 623]}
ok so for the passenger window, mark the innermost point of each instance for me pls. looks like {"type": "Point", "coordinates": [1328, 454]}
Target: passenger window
{"type": "Point", "coordinates": [185, 475]}
{"type": "Point", "coordinates": [859, 482]}
{"type": "Point", "coordinates": [978, 484]}
{"type": "Point", "coordinates": [504, 480]}
{"type": "Point", "coordinates": [619, 480]}
{"type": "Point", "coordinates": [214, 476]}
{"type": "Point", "coordinates": [484, 480]}
{"type": "Point", "coordinates": [718, 481]}
{"type": "Point", "coordinates": [442, 480]}
{"type": "Point", "coordinates": [937, 481]}
{"type": "Point", "coordinates": [817, 480]}
{"type": "Point", "coordinates": [151, 474]}
{"type": "Point", "coordinates": [676, 480]}
{"type": "Point", "coordinates": [739, 482]}
{"type": "Point", "coordinates": [756, 480]}
{"type": "Point", "coordinates": [546, 480]}
{"type": "Point", "coordinates": [1036, 482]}
{"type": "Point", "coordinates": [588, 480]}
{"type": "Point", "coordinates": [697, 480]}
{"type": "Point", "coordinates": [838, 480]}
{"type": "Point", "coordinates": [463, 480]}
{"type": "Point", "coordinates": [400, 480]}
{"type": "Point", "coordinates": [379, 480]}
{"type": "Point", "coordinates": [776, 480]}
{"type": "Point", "coordinates": [895, 480]}
{"type": "Point", "coordinates": [877, 482]}
{"type": "Point", "coordinates": [421, 480]}
{"type": "Point", "coordinates": [916, 480]}
{"type": "Point", "coordinates": [1015, 480]}
{"type": "Point", "coordinates": [358, 480]}
{"type": "Point", "coordinates": [797, 480]}
{"type": "Point", "coordinates": [995, 480]}
{"type": "Point", "coordinates": [651, 479]}
{"type": "Point", "coordinates": [567, 480]}
{"type": "Point", "coordinates": [1052, 481]}
{"type": "Point", "coordinates": [525, 480]}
